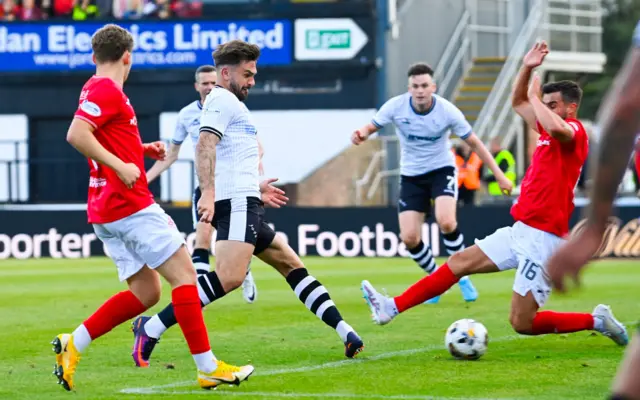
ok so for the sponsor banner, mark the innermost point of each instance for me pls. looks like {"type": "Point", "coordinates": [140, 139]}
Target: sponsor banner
{"type": "Point", "coordinates": [328, 39]}
{"type": "Point", "coordinates": [67, 46]}
{"type": "Point", "coordinates": [325, 232]}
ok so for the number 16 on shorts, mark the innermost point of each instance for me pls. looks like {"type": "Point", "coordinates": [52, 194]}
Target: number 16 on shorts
{"type": "Point", "coordinates": [531, 277]}
{"type": "Point", "coordinates": [530, 269]}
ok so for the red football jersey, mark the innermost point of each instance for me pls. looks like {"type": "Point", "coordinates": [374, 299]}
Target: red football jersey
{"type": "Point", "coordinates": [546, 193]}
{"type": "Point", "coordinates": [104, 105]}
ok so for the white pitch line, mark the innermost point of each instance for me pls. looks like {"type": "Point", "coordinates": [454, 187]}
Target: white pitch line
{"type": "Point", "coordinates": [280, 395]}
{"type": "Point", "coordinates": [332, 364]}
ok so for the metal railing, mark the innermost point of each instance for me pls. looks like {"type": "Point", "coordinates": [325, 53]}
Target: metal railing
{"type": "Point", "coordinates": [498, 105]}
{"type": "Point", "coordinates": [458, 47]}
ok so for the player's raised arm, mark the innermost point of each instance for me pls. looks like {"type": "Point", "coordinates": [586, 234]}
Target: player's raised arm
{"type": "Point", "coordinates": [519, 97]}
{"type": "Point", "coordinates": [551, 122]}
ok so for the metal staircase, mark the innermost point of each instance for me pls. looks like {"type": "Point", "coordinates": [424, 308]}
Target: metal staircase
{"type": "Point", "coordinates": [477, 84]}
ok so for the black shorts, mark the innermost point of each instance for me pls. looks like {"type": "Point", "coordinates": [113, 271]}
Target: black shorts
{"type": "Point", "coordinates": [417, 192]}
{"type": "Point", "coordinates": [242, 219]}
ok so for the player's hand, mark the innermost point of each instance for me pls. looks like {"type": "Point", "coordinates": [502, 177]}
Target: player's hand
{"type": "Point", "coordinates": [271, 195]}
{"type": "Point", "coordinates": [129, 174]}
{"type": "Point", "coordinates": [536, 55]}
{"type": "Point", "coordinates": [572, 257]}
{"type": "Point", "coordinates": [358, 137]}
{"type": "Point", "coordinates": [506, 186]}
{"type": "Point", "coordinates": [535, 87]}
{"type": "Point", "coordinates": [206, 206]}
{"type": "Point", "coordinates": [156, 150]}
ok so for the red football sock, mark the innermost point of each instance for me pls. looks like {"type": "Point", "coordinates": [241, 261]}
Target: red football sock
{"type": "Point", "coordinates": [555, 322]}
{"type": "Point", "coordinates": [428, 287]}
{"type": "Point", "coordinates": [119, 308]}
{"type": "Point", "coordinates": [188, 311]}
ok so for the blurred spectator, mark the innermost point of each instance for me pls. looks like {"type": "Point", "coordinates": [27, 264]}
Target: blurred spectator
{"type": "Point", "coordinates": [128, 9]}
{"type": "Point", "coordinates": [469, 165]}
{"type": "Point", "coordinates": [84, 9]}
{"type": "Point", "coordinates": [506, 163]}
{"type": "Point", "coordinates": [186, 8]}
{"type": "Point", "coordinates": [157, 9]}
{"type": "Point", "coordinates": [10, 11]}
{"type": "Point", "coordinates": [29, 11]}
{"type": "Point", "coordinates": [63, 8]}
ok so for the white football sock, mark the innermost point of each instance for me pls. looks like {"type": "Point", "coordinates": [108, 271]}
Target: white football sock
{"type": "Point", "coordinates": [81, 338]}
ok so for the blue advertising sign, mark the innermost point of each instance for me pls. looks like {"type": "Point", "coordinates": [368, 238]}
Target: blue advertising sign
{"type": "Point", "coordinates": [158, 45]}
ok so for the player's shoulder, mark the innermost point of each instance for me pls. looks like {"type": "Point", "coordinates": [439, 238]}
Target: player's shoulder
{"type": "Point", "coordinates": [222, 98]}
{"type": "Point", "coordinates": [397, 101]}
{"type": "Point", "coordinates": [576, 125]}
{"type": "Point", "coordinates": [102, 85]}
{"type": "Point", "coordinates": [190, 108]}
{"type": "Point", "coordinates": [443, 104]}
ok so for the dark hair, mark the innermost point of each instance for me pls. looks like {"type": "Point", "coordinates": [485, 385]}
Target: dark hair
{"type": "Point", "coordinates": [420, 69]}
{"type": "Point", "coordinates": [571, 92]}
{"type": "Point", "coordinates": [110, 42]}
{"type": "Point", "coordinates": [204, 68]}
{"type": "Point", "coordinates": [235, 52]}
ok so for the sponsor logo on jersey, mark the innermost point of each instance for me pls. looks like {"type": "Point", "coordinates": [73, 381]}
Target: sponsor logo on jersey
{"type": "Point", "coordinates": [91, 108]}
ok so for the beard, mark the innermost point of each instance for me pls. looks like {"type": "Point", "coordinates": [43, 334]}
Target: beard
{"type": "Point", "coordinates": [240, 92]}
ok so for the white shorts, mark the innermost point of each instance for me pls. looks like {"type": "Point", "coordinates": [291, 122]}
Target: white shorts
{"type": "Point", "coordinates": [527, 249]}
{"type": "Point", "coordinates": [148, 237]}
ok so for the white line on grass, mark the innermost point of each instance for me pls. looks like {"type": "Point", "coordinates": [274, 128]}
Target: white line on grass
{"type": "Point", "coordinates": [280, 395]}
{"type": "Point", "coordinates": [333, 364]}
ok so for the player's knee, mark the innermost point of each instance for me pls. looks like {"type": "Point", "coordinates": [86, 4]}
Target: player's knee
{"type": "Point", "coordinates": [151, 295]}
{"type": "Point", "coordinates": [410, 239]}
{"type": "Point", "coordinates": [460, 264]}
{"type": "Point", "coordinates": [448, 225]}
{"type": "Point", "coordinates": [521, 323]}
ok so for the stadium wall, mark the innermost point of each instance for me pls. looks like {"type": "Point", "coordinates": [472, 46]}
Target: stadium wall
{"type": "Point", "coordinates": [35, 232]}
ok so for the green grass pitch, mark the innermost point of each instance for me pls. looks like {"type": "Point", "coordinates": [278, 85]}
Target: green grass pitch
{"type": "Point", "coordinates": [296, 356]}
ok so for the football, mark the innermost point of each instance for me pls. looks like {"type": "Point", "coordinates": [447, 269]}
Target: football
{"type": "Point", "coordinates": [467, 339]}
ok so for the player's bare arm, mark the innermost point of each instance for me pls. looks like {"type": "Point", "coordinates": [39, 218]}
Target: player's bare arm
{"type": "Point", "coordinates": [81, 137]}
{"type": "Point", "coordinates": [481, 150]}
{"type": "Point", "coordinates": [362, 134]}
{"type": "Point", "coordinates": [557, 127]}
{"type": "Point", "coordinates": [160, 166]}
{"type": "Point", "coordinates": [620, 123]}
{"type": "Point", "coordinates": [205, 166]}
{"type": "Point", "coordinates": [519, 98]}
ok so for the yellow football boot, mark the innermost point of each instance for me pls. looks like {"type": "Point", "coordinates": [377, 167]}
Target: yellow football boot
{"type": "Point", "coordinates": [67, 358]}
{"type": "Point", "coordinates": [225, 373]}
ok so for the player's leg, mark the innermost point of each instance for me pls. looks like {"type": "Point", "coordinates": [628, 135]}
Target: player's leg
{"type": "Point", "coordinates": [469, 261]}
{"type": "Point", "coordinates": [412, 205]}
{"type": "Point", "coordinates": [275, 251]}
{"type": "Point", "coordinates": [626, 385]}
{"type": "Point", "coordinates": [531, 291]}
{"type": "Point", "coordinates": [144, 292]}
{"type": "Point", "coordinates": [444, 189]}
{"type": "Point", "coordinates": [154, 238]}
{"type": "Point", "coordinates": [230, 240]}
{"type": "Point", "coordinates": [187, 308]}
